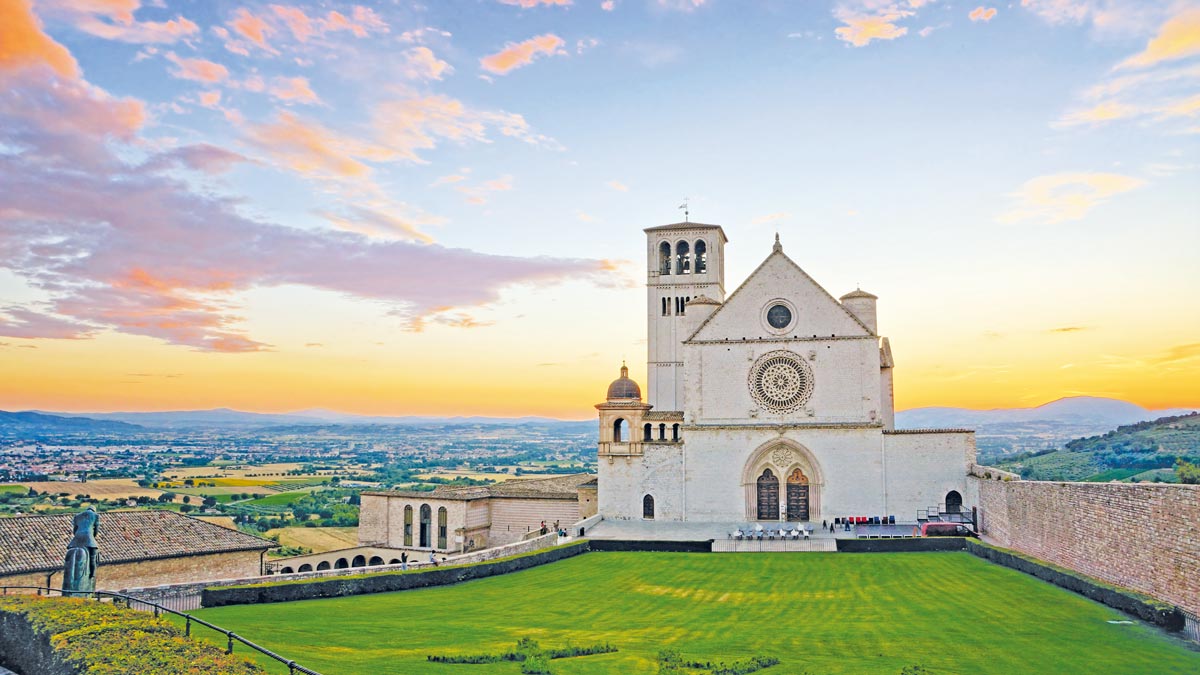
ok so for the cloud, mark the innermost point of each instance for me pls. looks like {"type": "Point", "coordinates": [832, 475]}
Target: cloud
{"type": "Point", "coordinates": [1062, 197]}
{"type": "Point", "coordinates": [982, 14]}
{"type": "Point", "coordinates": [681, 5]}
{"type": "Point", "coordinates": [23, 42]}
{"type": "Point", "coordinates": [294, 89]}
{"type": "Point", "coordinates": [303, 27]}
{"type": "Point", "coordinates": [18, 322]}
{"type": "Point", "coordinates": [770, 218]}
{"type": "Point", "coordinates": [520, 54]}
{"type": "Point", "coordinates": [618, 186]}
{"type": "Point", "coordinates": [421, 64]}
{"type": "Point", "coordinates": [1069, 329]}
{"type": "Point", "coordinates": [374, 223]}
{"type": "Point", "coordinates": [210, 99]}
{"type": "Point", "coordinates": [867, 20]}
{"type": "Point", "coordinates": [1178, 353]}
{"type": "Point", "coordinates": [478, 194]}
{"type": "Point", "coordinates": [201, 157]}
{"type": "Point", "coordinates": [199, 70]}
{"type": "Point", "coordinates": [1178, 38]}
{"type": "Point", "coordinates": [526, 4]}
{"type": "Point", "coordinates": [131, 248]}
{"type": "Point", "coordinates": [608, 5]}
{"type": "Point", "coordinates": [309, 148]}
{"type": "Point", "coordinates": [251, 27]}
{"type": "Point", "coordinates": [1109, 111]}
{"type": "Point", "coordinates": [114, 20]}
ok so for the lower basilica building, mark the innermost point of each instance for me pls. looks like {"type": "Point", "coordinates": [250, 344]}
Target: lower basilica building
{"type": "Point", "coordinates": [774, 403]}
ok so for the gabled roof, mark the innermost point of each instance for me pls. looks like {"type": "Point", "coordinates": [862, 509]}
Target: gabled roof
{"type": "Point", "coordinates": [885, 354]}
{"type": "Point", "coordinates": [39, 543]}
{"type": "Point", "coordinates": [778, 251]}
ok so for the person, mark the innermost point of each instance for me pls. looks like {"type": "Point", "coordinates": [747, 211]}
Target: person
{"type": "Point", "coordinates": [543, 527]}
{"type": "Point", "coordinates": [432, 557]}
{"type": "Point", "coordinates": [404, 562]}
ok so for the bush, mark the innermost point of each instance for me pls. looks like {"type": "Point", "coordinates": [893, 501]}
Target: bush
{"type": "Point", "coordinates": [95, 638]}
{"type": "Point", "coordinates": [537, 664]}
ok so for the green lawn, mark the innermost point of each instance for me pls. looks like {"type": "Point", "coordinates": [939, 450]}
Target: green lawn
{"type": "Point", "coordinates": [15, 489]}
{"type": "Point", "coordinates": [816, 612]}
{"type": "Point", "coordinates": [279, 498]}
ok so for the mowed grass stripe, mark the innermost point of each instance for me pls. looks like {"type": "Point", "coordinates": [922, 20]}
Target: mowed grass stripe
{"type": "Point", "coordinates": [817, 612]}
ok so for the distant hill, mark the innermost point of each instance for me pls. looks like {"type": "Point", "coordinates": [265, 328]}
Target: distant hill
{"type": "Point", "coordinates": [225, 418]}
{"type": "Point", "coordinates": [1007, 431]}
{"type": "Point", "coordinates": [1140, 451]}
{"type": "Point", "coordinates": [32, 425]}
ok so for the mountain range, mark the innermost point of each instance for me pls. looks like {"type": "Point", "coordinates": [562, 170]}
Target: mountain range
{"type": "Point", "coordinates": [1105, 412]}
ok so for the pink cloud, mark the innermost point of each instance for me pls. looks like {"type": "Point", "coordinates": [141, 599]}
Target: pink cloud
{"type": "Point", "coordinates": [297, 21]}
{"type": "Point", "coordinates": [201, 157]}
{"type": "Point", "coordinates": [534, 3]}
{"type": "Point", "coordinates": [608, 5]}
{"type": "Point", "coordinates": [421, 64]}
{"type": "Point", "coordinates": [251, 27]}
{"type": "Point", "coordinates": [309, 148]}
{"type": "Point", "coordinates": [294, 89]}
{"type": "Point", "coordinates": [210, 99]}
{"type": "Point", "coordinates": [982, 14]}
{"type": "Point", "coordinates": [517, 55]}
{"type": "Point", "coordinates": [199, 70]}
{"type": "Point", "coordinates": [18, 322]}
{"type": "Point", "coordinates": [114, 20]}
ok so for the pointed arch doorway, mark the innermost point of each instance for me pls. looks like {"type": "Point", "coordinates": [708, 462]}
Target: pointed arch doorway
{"type": "Point", "coordinates": [797, 496]}
{"type": "Point", "coordinates": [768, 496]}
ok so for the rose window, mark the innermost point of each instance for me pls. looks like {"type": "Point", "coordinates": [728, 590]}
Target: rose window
{"type": "Point", "coordinates": [781, 381]}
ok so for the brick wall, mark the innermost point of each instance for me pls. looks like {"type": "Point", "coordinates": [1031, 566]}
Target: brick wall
{"type": "Point", "coordinates": [1143, 536]}
{"type": "Point", "coordinates": [195, 568]}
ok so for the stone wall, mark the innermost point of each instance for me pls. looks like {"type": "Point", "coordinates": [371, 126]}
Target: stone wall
{"type": "Point", "coordinates": [184, 569]}
{"type": "Point", "coordinates": [1141, 536]}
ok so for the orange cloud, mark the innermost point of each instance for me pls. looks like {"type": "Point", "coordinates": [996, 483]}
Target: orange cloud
{"type": "Point", "coordinates": [294, 89]}
{"type": "Point", "coordinates": [1066, 196]}
{"type": "Point", "coordinates": [23, 42]}
{"type": "Point", "coordinates": [618, 186]}
{"type": "Point", "coordinates": [297, 21]}
{"type": "Point", "coordinates": [421, 64]}
{"type": "Point", "coordinates": [517, 55]}
{"type": "Point", "coordinates": [1178, 38]}
{"type": "Point", "coordinates": [310, 148]}
{"type": "Point", "coordinates": [864, 26]}
{"type": "Point", "coordinates": [982, 14]}
{"type": "Point", "coordinates": [210, 99]}
{"type": "Point", "coordinates": [199, 70]}
{"type": "Point", "coordinates": [251, 27]}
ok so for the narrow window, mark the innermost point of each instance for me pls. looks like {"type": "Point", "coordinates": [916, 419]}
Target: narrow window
{"type": "Point", "coordinates": [408, 518]}
{"type": "Point", "coordinates": [674, 432]}
{"type": "Point", "coordinates": [442, 528]}
{"type": "Point", "coordinates": [618, 427]}
{"type": "Point", "coordinates": [701, 256]}
{"type": "Point", "coordinates": [664, 304]}
{"type": "Point", "coordinates": [648, 507]}
{"type": "Point", "coordinates": [426, 516]}
{"type": "Point", "coordinates": [664, 258]}
{"type": "Point", "coordinates": [662, 432]}
{"type": "Point", "coordinates": [683, 258]}
{"type": "Point", "coordinates": [648, 435]}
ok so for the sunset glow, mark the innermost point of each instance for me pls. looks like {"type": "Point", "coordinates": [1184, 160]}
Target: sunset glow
{"type": "Point", "coordinates": [437, 208]}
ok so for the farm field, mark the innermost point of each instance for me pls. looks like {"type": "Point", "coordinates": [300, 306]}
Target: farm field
{"type": "Point", "coordinates": [319, 539]}
{"type": "Point", "coordinates": [817, 612]}
{"type": "Point", "coordinates": [451, 474]}
{"type": "Point", "coordinates": [104, 488]}
{"type": "Point", "coordinates": [14, 489]}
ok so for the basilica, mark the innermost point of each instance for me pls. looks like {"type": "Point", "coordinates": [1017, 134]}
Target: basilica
{"type": "Point", "coordinates": [772, 403]}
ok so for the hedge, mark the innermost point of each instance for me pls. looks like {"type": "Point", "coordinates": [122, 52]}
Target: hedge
{"type": "Point", "coordinates": [1144, 607]}
{"type": "Point", "coordinates": [659, 546]}
{"type": "Point", "coordinates": [76, 636]}
{"type": "Point", "coordinates": [382, 582]}
{"type": "Point", "coordinates": [909, 544]}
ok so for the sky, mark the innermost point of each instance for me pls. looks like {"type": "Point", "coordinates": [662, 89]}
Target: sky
{"type": "Point", "coordinates": [404, 208]}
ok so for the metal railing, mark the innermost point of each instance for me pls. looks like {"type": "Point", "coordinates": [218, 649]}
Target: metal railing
{"type": "Point", "coordinates": [1191, 625]}
{"type": "Point", "coordinates": [147, 606]}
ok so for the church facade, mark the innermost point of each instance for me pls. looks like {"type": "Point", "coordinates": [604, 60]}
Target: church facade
{"type": "Point", "coordinates": [774, 403]}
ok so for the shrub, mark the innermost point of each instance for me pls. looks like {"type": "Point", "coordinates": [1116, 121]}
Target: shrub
{"type": "Point", "coordinates": [100, 639]}
{"type": "Point", "coordinates": [536, 664]}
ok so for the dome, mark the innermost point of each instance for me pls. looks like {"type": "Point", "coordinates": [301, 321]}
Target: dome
{"type": "Point", "coordinates": [859, 293]}
{"type": "Point", "coordinates": [623, 387]}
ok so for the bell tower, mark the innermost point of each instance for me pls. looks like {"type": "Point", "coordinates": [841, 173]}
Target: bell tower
{"type": "Point", "coordinates": [683, 261]}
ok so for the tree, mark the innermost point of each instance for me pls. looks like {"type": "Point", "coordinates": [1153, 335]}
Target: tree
{"type": "Point", "coordinates": [187, 500]}
{"type": "Point", "coordinates": [1187, 472]}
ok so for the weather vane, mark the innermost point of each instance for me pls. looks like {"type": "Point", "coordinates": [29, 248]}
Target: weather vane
{"type": "Point", "coordinates": [684, 206]}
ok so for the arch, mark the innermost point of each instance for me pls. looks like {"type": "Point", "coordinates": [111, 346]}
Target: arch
{"type": "Point", "coordinates": [797, 496]}
{"type": "Point", "coordinates": [305, 568]}
{"type": "Point", "coordinates": [783, 457]}
{"type": "Point", "coordinates": [953, 502]}
{"type": "Point", "coordinates": [618, 428]}
{"type": "Point", "coordinates": [767, 496]}
{"type": "Point", "coordinates": [341, 564]}
{"type": "Point", "coordinates": [408, 523]}
{"type": "Point", "coordinates": [664, 258]}
{"type": "Point", "coordinates": [359, 561]}
{"type": "Point", "coordinates": [675, 432]}
{"type": "Point", "coordinates": [375, 560]}
{"type": "Point", "coordinates": [323, 565]}
{"type": "Point", "coordinates": [426, 518]}
{"type": "Point", "coordinates": [442, 517]}
{"type": "Point", "coordinates": [648, 507]}
{"type": "Point", "coordinates": [683, 258]}
{"type": "Point", "coordinates": [662, 432]}
{"type": "Point", "coordinates": [701, 253]}
{"type": "Point", "coordinates": [394, 561]}
{"type": "Point", "coordinates": [287, 570]}
{"type": "Point", "coordinates": [648, 432]}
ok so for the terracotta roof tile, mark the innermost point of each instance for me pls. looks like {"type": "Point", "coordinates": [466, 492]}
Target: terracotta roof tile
{"type": "Point", "coordinates": [39, 543]}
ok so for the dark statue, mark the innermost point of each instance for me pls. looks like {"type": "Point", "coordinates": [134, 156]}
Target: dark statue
{"type": "Point", "coordinates": [83, 555]}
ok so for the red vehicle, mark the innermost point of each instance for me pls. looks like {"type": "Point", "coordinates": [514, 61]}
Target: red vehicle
{"type": "Point", "coordinates": [947, 530]}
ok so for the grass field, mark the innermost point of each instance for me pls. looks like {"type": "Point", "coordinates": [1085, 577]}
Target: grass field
{"type": "Point", "coordinates": [15, 489]}
{"type": "Point", "coordinates": [319, 539]}
{"type": "Point", "coordinates": [279, 498]}
{"type": "Point", "coordinates": [104, 488]}
{"type": "Point", "coordinates": [817, 612]}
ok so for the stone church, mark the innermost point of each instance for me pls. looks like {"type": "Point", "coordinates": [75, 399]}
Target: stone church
{"type": "Point", "coordinates": [772, 403]}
